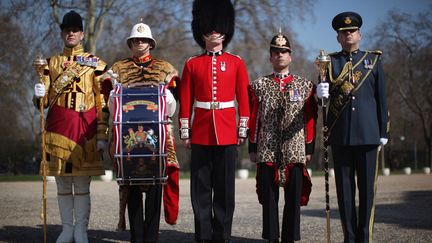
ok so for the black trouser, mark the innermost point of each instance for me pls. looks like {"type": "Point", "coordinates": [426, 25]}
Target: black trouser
{"type": "Point", "coordinates": [212, 190]}
{"type": "Point", "coordinates": [349, 160]}
{"type": "Point", "coordinates": [269, 191]}
{"type": "Point", "coordinates": [147, 229]}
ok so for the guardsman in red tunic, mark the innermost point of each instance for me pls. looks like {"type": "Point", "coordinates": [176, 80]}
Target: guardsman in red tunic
{"type": "Point", "coordinates": [211, 84]}
{"type": "Point", "coordinates": [76, 126]}
{"type": "Point", "coordinates": [283, 117]}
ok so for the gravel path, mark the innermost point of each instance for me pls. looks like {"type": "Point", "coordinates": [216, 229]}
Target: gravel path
{"type": "Point", "coordinates": [403, 212]}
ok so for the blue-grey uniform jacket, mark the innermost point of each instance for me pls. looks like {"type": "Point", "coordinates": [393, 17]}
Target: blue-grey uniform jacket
{"type": "Point", "coordinates": [358, 112]}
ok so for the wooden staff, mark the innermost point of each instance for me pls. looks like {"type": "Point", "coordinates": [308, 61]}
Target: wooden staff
{"type": "Point", "coordinates": [322, 61]}
{"type": "Point", "coordinates": [39, 64]}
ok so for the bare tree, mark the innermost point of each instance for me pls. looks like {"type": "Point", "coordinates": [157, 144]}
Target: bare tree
{"type": "Point", "coordinates": [408, 42]}
{"type": "Point", "coordinates": [95, 13]}
{"type": "Point", "coordinates": [257, 21]}
{"type": "Point", "coordinates": [16, 119]}
{"type": "Point", "coordinates": [31, 27]}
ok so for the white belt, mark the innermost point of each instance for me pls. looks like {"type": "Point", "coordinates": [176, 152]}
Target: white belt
{"type": "Point", "coordinates": [214, 105]}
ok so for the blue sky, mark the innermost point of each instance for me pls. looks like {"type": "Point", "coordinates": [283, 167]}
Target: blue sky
{"type": "Point", "coordinates": [317, 33]}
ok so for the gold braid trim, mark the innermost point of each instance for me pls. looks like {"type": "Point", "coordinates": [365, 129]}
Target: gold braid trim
{"type": "Point", "coordinates": [74, 73]}
{"type": "Point", "coordinates": [85, 160]}
{"type": "Point", "coordinates": [102, 117]}
{"type": "Point", "coordinates": [359, 84]}
{"type": "Point", "coordinates": [171, 150]}
{"type": "Point", "coordinates": [345, 71]}
{"type": "Point", "coordinates": [61, 146]}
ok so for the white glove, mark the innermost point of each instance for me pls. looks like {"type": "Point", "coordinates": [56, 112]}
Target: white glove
{"type": "Point", "coordinates": [113, 77]}
{"type": "Point", "coordinates": [171, 103]}
{"type": "Point", "coordinates": [323, 90]}
{"type": "Point", "coordinates": [383, 141]}
{"type": "Point", "coordinates": [39, 90]}
{"type": "Point", "coordinates": [101, 145]}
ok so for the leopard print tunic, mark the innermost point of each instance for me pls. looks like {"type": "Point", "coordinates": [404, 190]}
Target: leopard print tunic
{"type": "Point", "coordinates": [281, 137]}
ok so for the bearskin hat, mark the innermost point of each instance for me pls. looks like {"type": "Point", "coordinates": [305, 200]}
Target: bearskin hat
{"type": "Point", "coordinates": [212, 15]}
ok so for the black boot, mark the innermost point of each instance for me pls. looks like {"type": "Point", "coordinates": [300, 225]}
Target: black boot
{"type": "Point", "coordinates": [273, 241]}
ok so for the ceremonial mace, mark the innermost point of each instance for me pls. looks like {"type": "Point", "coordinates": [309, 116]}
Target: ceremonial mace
{"type": "Point", "coordinates": [381, 147]}
{"type": "Point", "coordinates": [322, 61]}
{"type": "Point", "coordinates": [39, 64]}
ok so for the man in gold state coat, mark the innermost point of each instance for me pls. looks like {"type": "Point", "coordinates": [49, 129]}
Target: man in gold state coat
{"type": "Point", "coordinates": [76, 126]}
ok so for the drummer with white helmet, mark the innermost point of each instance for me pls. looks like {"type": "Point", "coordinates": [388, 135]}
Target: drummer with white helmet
{"type": "Point", "coordinates": [141, 70]}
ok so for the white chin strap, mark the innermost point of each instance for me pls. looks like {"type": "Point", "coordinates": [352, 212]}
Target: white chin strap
{"type": "Point", "coordinates": [213, 38]}
{"type": "Point", "coordinates": [148, 47]}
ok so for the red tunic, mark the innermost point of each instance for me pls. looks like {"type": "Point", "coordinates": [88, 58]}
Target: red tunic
{"type": "Point", "coordinates": [218, 78]}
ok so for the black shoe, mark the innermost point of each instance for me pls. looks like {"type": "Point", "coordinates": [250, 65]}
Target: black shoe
{"type": "Point", "coordinates": [220, 241]}
{"type": "Point", "coordinates": [273, 241]}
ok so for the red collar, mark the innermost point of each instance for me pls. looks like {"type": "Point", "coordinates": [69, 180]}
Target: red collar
{"type": "Point", "coordinates": [283, 82]}
{"type": "Point", "coordinates": [142, 59]}
{"type": "Point", "coordinates": [281, 75]}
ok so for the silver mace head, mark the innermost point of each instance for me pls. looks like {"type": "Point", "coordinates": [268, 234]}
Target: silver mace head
{"type": "Point", "coordinates": [39, 64]}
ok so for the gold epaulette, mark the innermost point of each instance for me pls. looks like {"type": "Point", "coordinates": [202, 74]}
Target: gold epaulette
{"type": "Point", "coordinates": [377, 52]}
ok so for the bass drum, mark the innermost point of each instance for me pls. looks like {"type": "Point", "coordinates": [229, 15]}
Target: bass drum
{"type": "Point", "coordinates": [139, 135]}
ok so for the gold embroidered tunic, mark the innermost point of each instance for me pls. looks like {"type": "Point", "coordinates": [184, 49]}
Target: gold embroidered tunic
{"type": "Point", "coordinates": [75, 118]}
